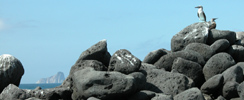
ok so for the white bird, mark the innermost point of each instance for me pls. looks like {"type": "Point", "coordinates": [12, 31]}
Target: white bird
{"type": "Point", "coordinates": [201, 14]}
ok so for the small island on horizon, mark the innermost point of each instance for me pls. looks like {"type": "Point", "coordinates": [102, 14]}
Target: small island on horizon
{"type": "Point", "coordinates": [57, 78]}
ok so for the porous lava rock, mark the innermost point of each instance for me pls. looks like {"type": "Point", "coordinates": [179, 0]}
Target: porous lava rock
{"type": "Point", "coordinates": [11, 71]}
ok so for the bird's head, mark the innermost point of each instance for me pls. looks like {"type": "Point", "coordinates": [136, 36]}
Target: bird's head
{"type": "Point", "coordinates": [213, 19]}
{"type": "Point", "coordinates": [199, 7]}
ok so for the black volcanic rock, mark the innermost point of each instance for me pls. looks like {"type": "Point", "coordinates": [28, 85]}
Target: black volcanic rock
{"type": "Point", "coordinates": [12, 92]}
{"type": "Point", "coordinates": [240, 90]}
{"type": "Point", "coordinates": [161, 96]}
{"type": "Point", "coordinates": [169, 83]}
{"type": "Point", "coordinates": [234, 73]}
{"type": "Point", "coordinates": [123, 61]}
{"type": "Point", "coordinates": [98, 66]}
{"type": "Point", "coordinates": [215, 35]}
{"type": "Point", "coordinates": [203, 49]}
{"type": "Point", "coordinates": [57, 78]}
{"type": "Point", "coordinates": [237, 52]}
{"type": "Point", "coordinates": [230, 90]}
{"type": "Point", "coordinates": [167, 60]}
{"type": "Point", "coordinates": [102, 85]}
{"type": "Point", "coordinates": [154, 56]}
{"type": "Point", "coordinates": [240, 38]}
{"type": "Point", "coordinates": [217, 64]}
{"type": "Point", "coordinates": [191, 69]}
{"type": "Point", "coordinates": [190, 94]}
{"type": "Point", "coordinates": [220, 45]}
{"type": "Point", "coordinates": [143, 95]}
{"type": "Point", "coordinates": [197, 32]}
{"type": "Point", "coordinates": [11, 71]}
{"type": "Point", "coordinates": [96, 52]}
{"type": "Point", "coordinates": [213, 85]}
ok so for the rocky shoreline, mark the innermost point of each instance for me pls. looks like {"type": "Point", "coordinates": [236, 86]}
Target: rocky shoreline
{"type": "Point", "coordinates": [203, 64]}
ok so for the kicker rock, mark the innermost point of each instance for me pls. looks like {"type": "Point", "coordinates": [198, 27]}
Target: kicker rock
{"type": "Point", "coordinates": [11, 71]}
{"type": "Point", "coordinates": [58, 78]}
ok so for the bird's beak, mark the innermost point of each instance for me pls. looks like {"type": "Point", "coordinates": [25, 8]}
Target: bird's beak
{"type": "Point", "coordinates": [197, 7]}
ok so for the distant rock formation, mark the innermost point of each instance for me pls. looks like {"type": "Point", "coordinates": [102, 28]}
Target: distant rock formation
{"type": "Point", "coordinates": [58, 78]}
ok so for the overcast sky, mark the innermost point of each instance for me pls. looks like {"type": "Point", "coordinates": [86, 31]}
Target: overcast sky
{"type": "Point", "coordinates": [48, 36]}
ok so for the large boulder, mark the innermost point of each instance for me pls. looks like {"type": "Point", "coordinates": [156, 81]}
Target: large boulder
{"type": "Point", "coordinates": [237, 52]}
{"type": "Point", "coordinates": [12, 92]}
{"type": "Point", "coordinates": [233, 73]}
{"type": "Point", "coordinates": [215, 35]}
{"type": "Point", "coordinates": [167, 60]}
{"type": "Point", "coordinates": [203, 49]}
{"type": "Point", "coordinates": [191, 69]}
{"type": "Point", "coordinates": [11, 71]}
{"type": "Point", "coordinates": [240, 90]}
{"type": "Point", "coordinates": [240, 38]}
{"type": "Point", "coordinates": [98, 66]}
{"type": "Point", "coordinates": [197, 32]}
{"type": "Point", "coordinates": [220, 45]}
{"type": "Point", "coordinates": [123, 61]}
{"type": "Point", "coordinates": [213, 85]}
{"type": "Point", "coordinates": [190, 94]}
{"type": "Point", "coordinates": [102, 85]}
{"type": "Point", "coordinates": [230, 90]}
{"type": "Point", "coordinates": [169, 83]}
{"type": "Point", "coordinates": [153, 56]}
{"type": "Point", "coordinates": [217, 64]}
{"type": "Point", "coordinates": [97, 52]}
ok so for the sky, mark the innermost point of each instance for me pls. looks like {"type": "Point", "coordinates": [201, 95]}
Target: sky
{"type": "Point", "coordinates": [48, 36]}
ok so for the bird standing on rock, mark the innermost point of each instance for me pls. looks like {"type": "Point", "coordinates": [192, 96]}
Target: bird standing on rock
{"type": "Point", "coordinates": [201, 14]}
{"type": "Point", "coordinates": [213, 24]}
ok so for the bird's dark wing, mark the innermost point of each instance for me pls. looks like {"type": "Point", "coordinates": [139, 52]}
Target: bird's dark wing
{"type": "Point", "coordinates": [204, 16]}
{"type": "Point", "coordinates": [212, 26]}
{"type": "Point", "coordinates": [197, 15]}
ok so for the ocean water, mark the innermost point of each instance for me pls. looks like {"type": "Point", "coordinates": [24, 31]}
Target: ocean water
{"type": "Point", "coordinates": [43, 86]}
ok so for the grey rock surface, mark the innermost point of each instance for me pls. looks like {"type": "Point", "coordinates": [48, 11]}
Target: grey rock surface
{"type": "Point", "coordinates": [123, 61]}
{"type": "Point", "coordinates": [240, 90]}
{"type": "Point", "coordinates": [97, 52]}
{"type": "Point", "coordinates": [240, 38]}
{"type": "Point", "coordinates": [234, 73]}
{"type": "Point", "coordinates": [215, 35]}
{"type": "Point", "coordinates": [237, 52]}
{"type": "Point", "coordinates": [191, 69]}
{"type": "Point", "coordinates": [197, 32]}
{"type": "Point", "coordinates": [11, 71]}
{"type": "Point", "coordinates": [12, 92]}
{"type": "Point", "coordinates": [220, 45]}
{"type": "Point", "coordinates": [167, 82]}
{"type": "Point", "coordinates": [203, 49]}
{"type": "Point", "coordinates": [230, 90]}
{"type": "Point", "coordinates": [154, 56]}
{"type": "Point", "coordinates": [217, 64]}
{"type": "Point", "coordinates": [161, 96]}
{"type": "Point", "coordinates": [102, 85]}
{"type": "Point", "coordinates": [190, 94]}
{"type": "Point", "coordinates": [143, 95]}
{"type": "Point", "coordinates": [167, 60]}
{"type": "Point", "coordinates": [213, 85]}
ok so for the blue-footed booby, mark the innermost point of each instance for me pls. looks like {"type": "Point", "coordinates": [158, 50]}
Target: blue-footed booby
{"type": "Point", "coordinates": [213, 24]}
{"type": "Point", "coordinates": [201, 14]}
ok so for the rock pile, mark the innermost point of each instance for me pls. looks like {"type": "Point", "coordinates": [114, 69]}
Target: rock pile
{"type": "Point", "coordinates": [202, 65]}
